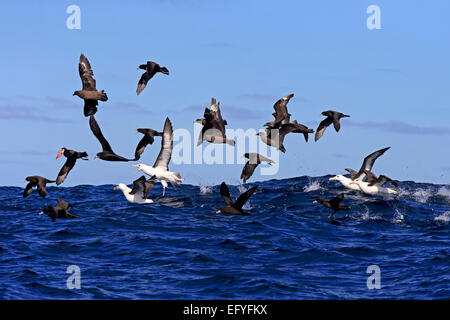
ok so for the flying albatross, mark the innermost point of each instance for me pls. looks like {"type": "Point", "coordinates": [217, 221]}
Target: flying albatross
{"type": "Point", "coordinates": [151, 68]}
{"type": "Point", "coordinates": [107, 154]}
{"type": "Point", "coordinates": [367, 164]}
{"type": "Point", "coordinates": [72, 157]}
{"type": "Point", "coordinates": [36, 181]}
{"type": "Point", "coordinates": [234, 207]}
{"type": "Point", "coordinates": [332, 117]}
{"type": "Point", "coordinates": [160, 170]}
{"type": "Point", "coordinates": [281, 113]}
{"type": "Point", "coordinates": [59, 211]}
{"type": "Point", "coordinates": [254, 160]}
{"type": "Point", "coordinates": [375, 185]}
{"type": "Point", "coordinates": [141, 187]}
{"type": "Point", "coordinates": [213, 126]}
{"type": "Point", "coordinates": [333, 204]}
{"type": "Point", "coordinates": [147, 139]}
{"type": "Point", "coordinates": [89, 93]}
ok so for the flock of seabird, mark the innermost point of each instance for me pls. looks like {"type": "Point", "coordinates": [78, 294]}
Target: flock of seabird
{"type": "Point", "coordinates": [213, 131]}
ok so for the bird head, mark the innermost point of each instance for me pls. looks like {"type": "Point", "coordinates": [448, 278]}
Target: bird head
{"type": "Point", "coordinates": [60, 152]}
{"type": "Point", "coordinates": [119, 186]}
{"type": "Point", "coordinates": [139, 166]}
{"type": "Point", "coordinates": [337, 177]}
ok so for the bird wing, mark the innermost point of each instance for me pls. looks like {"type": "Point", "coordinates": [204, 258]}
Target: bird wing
{"type": "Point", "coordinates": [148, 186]}
{"type": "Point", "coordinates": [281, 112]}
{"type": "Point", "coordinates": [143, 82]}
{"type": "Point", "coordinates": [41, 187]}
{"type": "Point", "coordinates": [336, 200]}
{"type": "Point", "coordinates": [139, 186]}
{"type": "Point", "coordinates": [62, 205]}
{"type": "Point", "coordinates": [90, 107]}
{"type": "Point", "coordinates": [166, 147]}
{"type": "Point", "coordinates": [371, 178]}
{"type": "Point", "coordinates": [382, 180]}
{"type": "Point", "coordinates": [336, 122]}
{"type": "Point", "coordinates": [28, 189]}
{"type": "Point", "coordinates": [353, 173]}
{"type": "Point", "coordinates": [369, 162]}
{"type": "Point", "coordinates": [248, 170]}
{"type": "Point", "coordinates": [98, 134]}
{"type": "Point", "coordinates": [225, 192]}
{"type": "Point", "coordinates": [68, 165]}
{"type": "Point", "coordinates": [141, 146]}
{"type": "Point", "coordinates": [322, 127]}
{"type": "Point", "coordinates": [86, 73]}
{"type": "Point", "coordinates": [243, 198]}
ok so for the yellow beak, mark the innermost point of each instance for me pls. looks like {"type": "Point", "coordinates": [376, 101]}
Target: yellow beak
{"type": "Point", "coordinates": [333, 178]}
{"type": "Point", "coordinates": [353, 182]}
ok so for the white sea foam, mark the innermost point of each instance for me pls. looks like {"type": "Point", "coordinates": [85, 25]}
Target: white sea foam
{"type": "Point", "coordinates": [398, 217]}
{"type": "Point", "coordinates": [443, 218]}
{"type": "Point", "coordinates": [312, 186]}
{"type": "Point", "coordinates": [444, 192]}
{"type": "Point", "coordinates": [206, 190]}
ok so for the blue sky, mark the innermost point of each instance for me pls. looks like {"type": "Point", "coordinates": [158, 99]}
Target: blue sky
{"type": "Point", "coordinates": [393, 82]}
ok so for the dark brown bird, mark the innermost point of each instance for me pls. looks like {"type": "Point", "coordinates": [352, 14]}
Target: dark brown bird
{"type": "Point", "coordinates": [333, 204]}
{"type": "Point", "coordinates": [254, 160]}
{"type": "Point", "coordinates": [234, 207]}
{"type": "Point", "coordinates": [89, 93]}
{"type": "Point", "coordinates": [281, 113]}
{"type": "Point", "coordinates": [36, 181]}
{"type": "Point", "coordinates": [147, 139]}
{"type": "Point", "coordinates": [72, 157]}
{"type": "Point", "coordinates": [274, 136]}
{"type": "Point", "coordinates": [151, 68]}
{"type": "Point", "coordinates": [332, 117]}
{"type": "Point", "coordinates": [381, 180]}
{"type": "Point", "coordinates": [213, 129]}
{"type": "Point", "coordinates": [59, 211]}
{"type": "Point", "coordinates": [107, 154]}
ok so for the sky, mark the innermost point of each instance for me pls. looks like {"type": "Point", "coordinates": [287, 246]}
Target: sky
{"type": "Point", "coordinates": [393, 82]}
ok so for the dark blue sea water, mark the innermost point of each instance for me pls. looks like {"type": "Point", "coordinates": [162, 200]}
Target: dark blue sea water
{"type": "Point", "coordinates": [179, 248]}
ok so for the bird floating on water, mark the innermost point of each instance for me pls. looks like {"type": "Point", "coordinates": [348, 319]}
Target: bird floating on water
{"type": "Point", "coordinates": [141, 188]}
{"type": "Point", "coordinates": [89, 92]}
{"type": "Point", "coordinates": [59, 211]}
{"type": "Point", "coordinates": [72, 157]}
{"type": "Point", "coordinates": [367, 164]}
{"type": "Point", "coordinates": [160, 170]}
{"type": "Point", "coordinates": [234, 207]}
{"type": "Point", "coordinates": [375, 185]}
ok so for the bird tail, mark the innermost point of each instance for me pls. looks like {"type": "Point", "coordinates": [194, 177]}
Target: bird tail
{"type": "Point", "coordinates": [282, 149]}
{"type": "Point", "coordinates": [164, 70]}
{"type": "Point", "coordinates": [104, 97]}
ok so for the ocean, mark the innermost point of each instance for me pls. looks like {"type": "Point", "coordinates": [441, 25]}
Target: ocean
{"type": "Point", "coordinates": [180, 248]}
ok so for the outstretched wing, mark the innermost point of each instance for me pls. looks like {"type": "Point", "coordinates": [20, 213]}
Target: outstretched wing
{"type": "Point", "coordinates": [68, 165]}
{"type": "Point", "coordinates": [248, 170]}
{"type": "Point", "coordinates": [225, 192]}
{"type": "Point", "coordinates": [28, 189]}
{"type": "Point", "coordinates": [322, 127]}
{"type": "Point", "coordinates": [371, 178]}
{"type": "Point", "coordinates": [353, 173]}
{"type": "Point", "coordinates": [98, 134]}
{"type": "Point", "coordinates": [143, 82]}
{"type": "Point", "coordinates": [166, 147]}
{"type": "Point", "coordinates": [369, 162]}
{"type": "Point", "coordinates": [139, 186]}
{"type": "Point", "coordinates": [382, 180]}
{"type": "Point", "coordinates": [86, 73]}
{"type": "Point", "coordinates": [62, 205]}
{"type": "Point", "coordinates": [243, 198]}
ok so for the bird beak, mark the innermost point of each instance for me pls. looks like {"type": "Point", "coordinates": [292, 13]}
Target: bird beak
{"type": "Point", "coordinates": [116, 187]}
{"type": "Point", "coordinates": [42, 212]}
{"type": "Point", "coordinates": [137, 166]}
{"type": "Point", "coordinates": [95, 157]}
{"type": "Point", "coordinates": [333, 178]}
{"type": "Point", "coordinates": [60, 153]}
{"type": "Point", "coordinates": [353, 182]}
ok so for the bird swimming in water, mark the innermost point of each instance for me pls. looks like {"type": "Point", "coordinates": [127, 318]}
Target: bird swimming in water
{"type": "Point", "coordinates": [147, 139]}
{"type": "Point", "coordinates": [160, 170]}
{"type": "Point", "coordinates": [107, 153]}
{"type": "Point", "coordinates": [332, 117]}
{"type": "Point", "coordinates": [36, 181]}
{"type": "Point", "coordinates": [375, 185]}
{"type": "Point", "coordinates": [333, 204]}
{"type": "Point", "coordinates": [72, 157]}
{"type": "Point", "coordinates": [89, 92]}
{"type": "Point", "coordinates": [367, 164]}
{"type": "Point", "coordinates": [281, 113]}
{"type": "Point", "coordinates": [213, 130]}
{"type": "Point", "coordinates": [151, 68]}
{"type": "Point", "coordinates": [141, 188]}
{"type": "Point", "coordinates": [254, 160]}
{"type": "Point", "coordinates": [59, 211]}
{"type": "Point", "coordinates": [234, 207]}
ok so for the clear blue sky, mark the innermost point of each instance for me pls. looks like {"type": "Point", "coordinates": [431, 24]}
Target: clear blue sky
{"type": "Point", "coordinates": [394, 82]}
